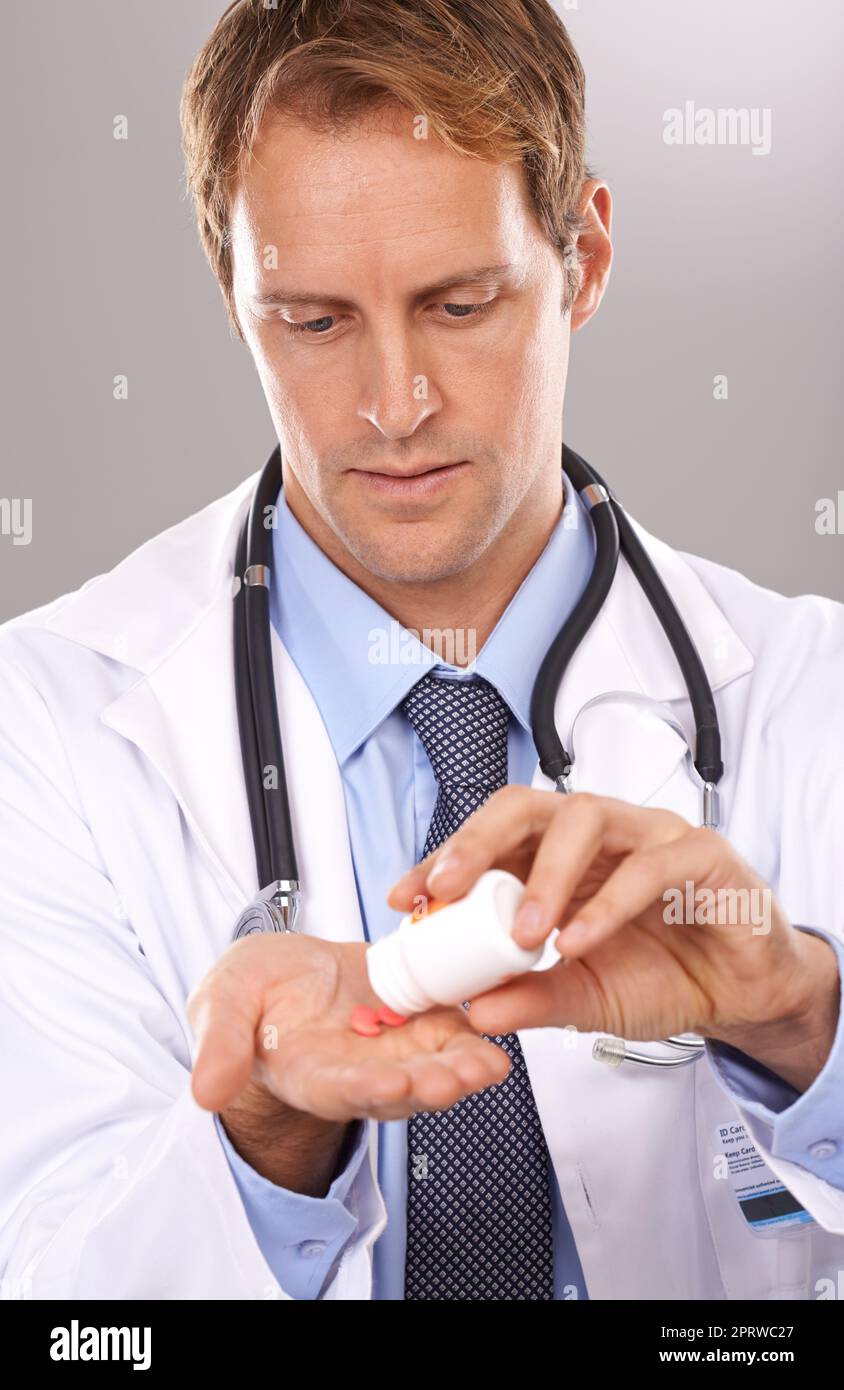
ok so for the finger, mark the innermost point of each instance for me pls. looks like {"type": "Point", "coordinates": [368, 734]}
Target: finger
{"type": "Point", "coordinates": [510, 817]}
{"type": "Point", "coordinates": [393, 1090]}
{"type": "Point", "coordinates": [478, 1060]}
{"type": "Point", "coordinates": [436, 1084]}
{"type": "Point", "coordinates": [478, 1066]}
{"type": "Point", "coordinates": [439, 1082]}
{"type": "Point", "coordinates": [224, 1013]}
{"type": "Point", "coordinates": [375, 1088]}
{"type": "Point", "coordinates": [581, 828]}
{"type": "Point", "coordinates": [407, 891]}
{"type": "Point", "coordinates": [338, 1090]}
{"type": "Point", "coordinates": [639, 882]}
{"type": "Point", "coordinates": [554, 998]}
{"type": "Point", "coordinates": [444, 1096]}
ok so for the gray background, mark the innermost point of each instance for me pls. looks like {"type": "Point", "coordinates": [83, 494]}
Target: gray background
{"type": "Point", "coordinates": [726, 262]}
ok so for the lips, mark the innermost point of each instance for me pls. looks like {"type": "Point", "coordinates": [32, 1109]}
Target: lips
{"type": "Point", "coordinates": [422, 484]}
{"type": "Point", "coordinates": [407, 472]}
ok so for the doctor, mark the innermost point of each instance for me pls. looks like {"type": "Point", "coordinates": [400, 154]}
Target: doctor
{"type": "Point", "coordinates": [192, 1119]}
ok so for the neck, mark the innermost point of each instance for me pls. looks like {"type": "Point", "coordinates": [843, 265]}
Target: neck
{"type": "Point", "coordinates": [464, 606]}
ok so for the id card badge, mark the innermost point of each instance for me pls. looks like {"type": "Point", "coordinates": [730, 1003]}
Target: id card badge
{"type": "Point", "coordinates": [764, 1201]}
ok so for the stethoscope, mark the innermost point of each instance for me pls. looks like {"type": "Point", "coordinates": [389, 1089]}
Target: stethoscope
{"type": "Point", "coordinates": [276, 906]}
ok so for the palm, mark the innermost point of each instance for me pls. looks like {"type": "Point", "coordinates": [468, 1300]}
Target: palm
{"type": "Point", "coordinates": [312, 1060]}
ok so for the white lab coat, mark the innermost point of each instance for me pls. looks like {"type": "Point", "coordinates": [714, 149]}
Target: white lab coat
{"type": "Point", "coordinates": [127, 856]}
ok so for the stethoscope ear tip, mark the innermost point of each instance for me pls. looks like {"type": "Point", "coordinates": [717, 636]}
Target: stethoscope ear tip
{"type": "Point", "coordinates": [614, 1051]}
{"type": "Point", "coordinates": [609, 1050]}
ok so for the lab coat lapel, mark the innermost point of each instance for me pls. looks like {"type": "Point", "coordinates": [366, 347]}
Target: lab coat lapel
{"type": "Point", "coordinates": [187, 726]}
{"type": "Point", "coordinates": [182, 715]}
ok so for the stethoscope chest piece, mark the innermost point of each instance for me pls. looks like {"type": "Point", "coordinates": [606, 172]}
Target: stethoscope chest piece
{"type": "Point", "coordinates": [274, 910]}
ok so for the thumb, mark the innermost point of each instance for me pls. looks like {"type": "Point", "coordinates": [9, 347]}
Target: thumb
{"type": "Point", "coordinates": [537, 999]}
{"type": "Point", "coordinates": [224, 1021]}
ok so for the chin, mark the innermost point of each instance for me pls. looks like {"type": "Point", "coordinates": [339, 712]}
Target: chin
{"type": "Point", "coordinates": [401, 570]}
{"type": "Point", "coordinates": [414, 562]}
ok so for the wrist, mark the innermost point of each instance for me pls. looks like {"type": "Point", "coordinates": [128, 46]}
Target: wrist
{"type": "Point", "coordinates": [795, 1042]}
{"type": "Point", "coordinates": [290, 1148]}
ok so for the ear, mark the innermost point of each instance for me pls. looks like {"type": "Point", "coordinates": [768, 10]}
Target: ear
{"type": "Point", "coordinates": [594, 249]}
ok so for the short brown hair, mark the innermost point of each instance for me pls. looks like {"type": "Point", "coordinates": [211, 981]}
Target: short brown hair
{"type": "Point", "coordinates": [496, 79]}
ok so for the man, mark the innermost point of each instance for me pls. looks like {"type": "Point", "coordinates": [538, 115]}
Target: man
{"type": "Point", "coordinates": [394, 199]}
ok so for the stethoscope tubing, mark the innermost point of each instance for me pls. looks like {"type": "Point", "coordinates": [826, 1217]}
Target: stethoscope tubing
{"type": "Point", "coordinates": [257, 705]}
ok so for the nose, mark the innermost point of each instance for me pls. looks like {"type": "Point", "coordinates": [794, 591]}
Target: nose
{"type": "Point", "coordinates": [398, 393]}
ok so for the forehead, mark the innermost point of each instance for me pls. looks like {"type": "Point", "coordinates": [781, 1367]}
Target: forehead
{"type": "Point", "coordinates": [373, 195]}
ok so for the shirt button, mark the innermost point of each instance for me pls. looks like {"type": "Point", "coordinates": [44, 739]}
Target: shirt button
{"type": "Point", "coordinates": [311, 1247]}
{"type": "Point", "coordinates": [825, 1148]}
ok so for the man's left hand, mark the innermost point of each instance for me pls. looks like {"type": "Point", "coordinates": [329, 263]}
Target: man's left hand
{"type": "Point", "coordinates": [611, 876]}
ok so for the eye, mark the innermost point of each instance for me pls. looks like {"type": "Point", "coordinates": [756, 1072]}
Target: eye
{"type": "Point", "coordinates": [469, 311]}
{"type": "Point", "coordinates": [315, 327]}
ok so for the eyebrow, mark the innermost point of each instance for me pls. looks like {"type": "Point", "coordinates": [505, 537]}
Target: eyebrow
{"type": "Point", "coordinates": [476, 275]}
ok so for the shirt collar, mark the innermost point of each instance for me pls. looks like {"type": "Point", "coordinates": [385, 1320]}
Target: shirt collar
{"type": "Point", "coordinates": [359, 663]}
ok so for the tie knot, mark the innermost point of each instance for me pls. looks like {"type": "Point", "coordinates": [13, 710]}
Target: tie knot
{"type": "Point", "coordinates": [462, 725]}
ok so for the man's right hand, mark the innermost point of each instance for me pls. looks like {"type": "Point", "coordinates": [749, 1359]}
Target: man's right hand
{"type": "Point", "coordinates": [275, 1011]}
{"type": "Point", "coordinates": [277, 1058]}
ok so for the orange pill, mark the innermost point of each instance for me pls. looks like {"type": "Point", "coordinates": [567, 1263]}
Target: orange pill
{"type": "Point", "coordinates": [365, 1021]}
{"type": "Point", "coordinates": [390, 1017]}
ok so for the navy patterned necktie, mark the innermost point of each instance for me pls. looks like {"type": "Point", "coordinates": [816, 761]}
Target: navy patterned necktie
{"type": "Point", "coordinates": [478, 1194]}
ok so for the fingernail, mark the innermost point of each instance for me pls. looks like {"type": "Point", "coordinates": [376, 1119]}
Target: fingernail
{"type": "Point", "coordinates": [529, 926]}
{"type": "Point", "coordinates": [573, 934]}
{"type": "Point", "coordinates": [446, 864]}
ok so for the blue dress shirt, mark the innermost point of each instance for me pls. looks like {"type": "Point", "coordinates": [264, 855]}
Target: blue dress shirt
{"type": "Point", "coordinates": [358, 664]}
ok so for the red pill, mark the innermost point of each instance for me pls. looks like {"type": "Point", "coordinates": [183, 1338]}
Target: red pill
{"type": "Point", "coordinates": [390, 1017]}
{"type": "Point", "coordinates": [365, 1021]}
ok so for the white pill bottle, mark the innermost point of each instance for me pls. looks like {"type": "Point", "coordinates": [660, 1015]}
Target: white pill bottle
{"type": "Point", "coordinates": [452, 951]}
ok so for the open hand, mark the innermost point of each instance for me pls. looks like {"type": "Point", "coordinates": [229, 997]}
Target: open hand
{"type": "Point", "coordinates": [275, 1010]}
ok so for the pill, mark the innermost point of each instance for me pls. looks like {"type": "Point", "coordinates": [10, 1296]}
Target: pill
{"type": "Point", "coordinates": [390, 1017]}
{"type": "Point", "coordinates": [365, 1021]}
